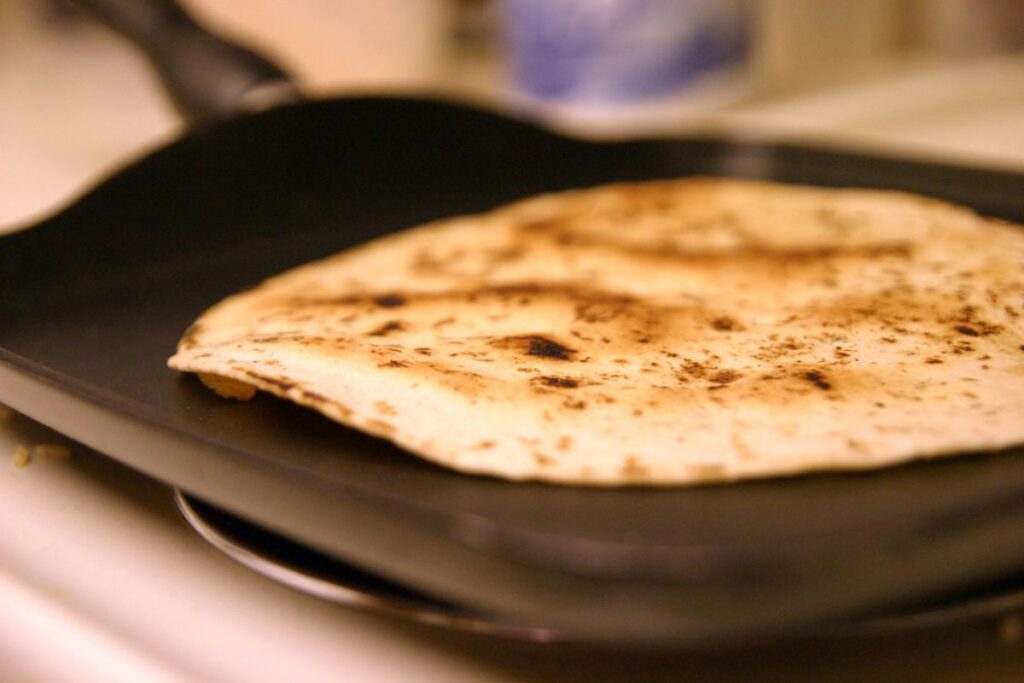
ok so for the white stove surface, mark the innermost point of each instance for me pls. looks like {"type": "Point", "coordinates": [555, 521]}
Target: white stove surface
{"type": "Point", "coordinates": [101, 580]}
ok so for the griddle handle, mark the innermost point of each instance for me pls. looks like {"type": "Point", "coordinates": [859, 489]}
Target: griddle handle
{"type": "Point", "coordinates": [207, 77]}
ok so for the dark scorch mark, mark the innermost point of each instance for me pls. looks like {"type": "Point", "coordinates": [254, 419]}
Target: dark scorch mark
{"type": "Point", "coordinates": [818, 379]}
{"type": "Point", "coordinates": [726, 324]}
{"type": "Point", "coordinates": [559, 382]}
{"type": "Point", "coordinates": [386, 328]}
{"type": "Point", "coordinates": [724, 377]}
{"type": "Point", "coordinates": [535, 345]}
{"type": "Point", "coordinates": [545, 348]}
{"type": "Point", "coordinates": [389, 300]}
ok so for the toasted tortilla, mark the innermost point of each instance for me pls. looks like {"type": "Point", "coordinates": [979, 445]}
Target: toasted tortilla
{"type": "Point", "coordinates": [660, 333]}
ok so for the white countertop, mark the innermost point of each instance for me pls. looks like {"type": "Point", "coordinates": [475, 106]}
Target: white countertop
{"type": "Point", "coordinates": [100, 580]}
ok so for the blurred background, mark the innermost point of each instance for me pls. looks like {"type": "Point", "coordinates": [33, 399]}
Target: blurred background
{"type": "Point", "coordinates": [939, 79]}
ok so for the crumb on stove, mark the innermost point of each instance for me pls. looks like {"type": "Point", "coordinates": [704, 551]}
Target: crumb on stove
{"type": "Point", "coordinates": [227, 387]}
{"type": "Point", "coordinates": [22, 456]}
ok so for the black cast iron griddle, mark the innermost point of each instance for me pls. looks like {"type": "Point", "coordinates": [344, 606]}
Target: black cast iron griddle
{"type": "Point", "coordinates": [93, 300]}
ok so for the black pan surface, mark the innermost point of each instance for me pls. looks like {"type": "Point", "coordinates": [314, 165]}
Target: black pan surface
{"type": "Point", "coordinates": [93, 300]}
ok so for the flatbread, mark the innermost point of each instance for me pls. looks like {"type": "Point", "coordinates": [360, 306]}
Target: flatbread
{"type": "Point", "coordinates": [666, 333]}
